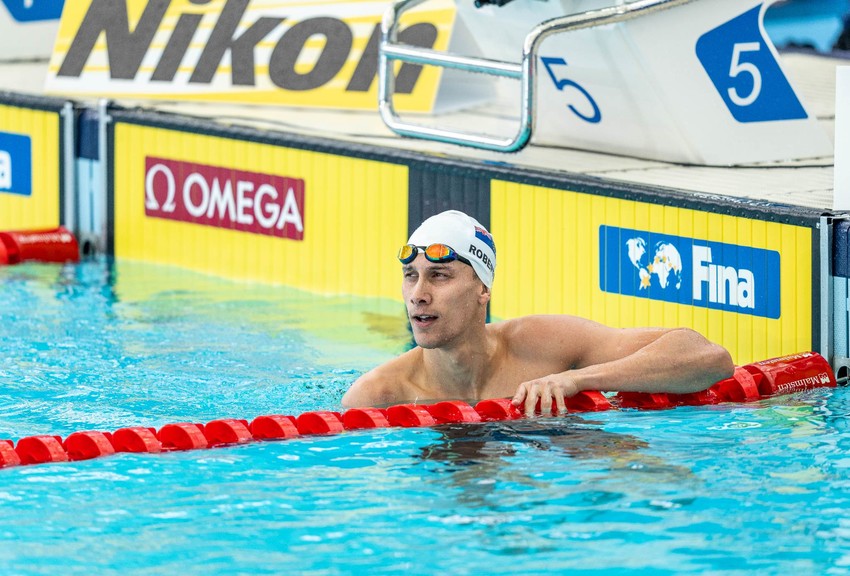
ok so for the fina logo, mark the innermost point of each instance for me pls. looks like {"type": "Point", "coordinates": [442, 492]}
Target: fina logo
{"type": "Point", "coordinates": [5, 170]}
{"type": "Point", "coordinates": [15, 164]}
{"type": "Point", "coordinates": [690, 271]}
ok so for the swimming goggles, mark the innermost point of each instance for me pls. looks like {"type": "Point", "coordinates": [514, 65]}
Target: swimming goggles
{"type": "Point", "coordinates": [434, 253]}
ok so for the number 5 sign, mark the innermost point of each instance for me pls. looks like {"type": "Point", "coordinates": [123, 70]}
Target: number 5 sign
{"type": "Point", "coordinates": [745, 72]}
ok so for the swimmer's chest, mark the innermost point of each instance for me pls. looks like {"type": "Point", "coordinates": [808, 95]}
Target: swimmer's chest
{"type": "Point", "coordinates": [511, 371]}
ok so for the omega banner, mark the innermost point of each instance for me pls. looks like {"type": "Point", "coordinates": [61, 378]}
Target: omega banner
{"type": "Point", "coordinates": [288, 52]}
{"type": "Point", "coordinates": [224, 198]}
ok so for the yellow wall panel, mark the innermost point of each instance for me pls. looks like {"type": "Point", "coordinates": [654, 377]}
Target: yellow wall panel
{"type": "Point", "coordinates": [551, 238]}
{"type": "Point", "coordinates": [352, 208]}
{"type": "Point", "coordinates": [41, 208]}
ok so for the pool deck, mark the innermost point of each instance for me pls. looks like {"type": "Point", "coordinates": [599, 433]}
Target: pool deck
{"type": "Point", "coordinates": [803, 183]}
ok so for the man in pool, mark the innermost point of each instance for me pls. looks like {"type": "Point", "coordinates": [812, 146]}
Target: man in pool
{"type": "Point", "coordinates": [448, 266]}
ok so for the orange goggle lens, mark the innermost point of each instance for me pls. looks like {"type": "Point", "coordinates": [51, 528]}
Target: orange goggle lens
{"type": "Point", "coordinates": [439, 253]}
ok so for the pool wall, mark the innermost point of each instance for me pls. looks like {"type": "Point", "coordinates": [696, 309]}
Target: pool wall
{"type": "Point", "coordinates": [327, 216]}
{"type": "Point", "coordinates": [343, 210]}
{"type": "Point", "coordinates": [33, 163]}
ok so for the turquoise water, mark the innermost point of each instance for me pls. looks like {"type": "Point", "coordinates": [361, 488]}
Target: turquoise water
{"type": "Point", "coordinates": [813, 23]}
{"type": "Point", "coordinates": [731, 489]}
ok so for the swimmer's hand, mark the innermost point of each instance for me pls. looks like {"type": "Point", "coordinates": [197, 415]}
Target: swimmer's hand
{"type": "Point", "coordinates": [553, 387]}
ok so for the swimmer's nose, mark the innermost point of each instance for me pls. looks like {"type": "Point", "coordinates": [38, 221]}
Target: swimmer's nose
{"type": "Point", "coordinates": [420, 293]}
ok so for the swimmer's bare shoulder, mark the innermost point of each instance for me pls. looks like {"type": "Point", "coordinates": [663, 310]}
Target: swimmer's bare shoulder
{"type": "Point", "coordinates": [386, 384]}
{"type": "Point", "coordinates": [544, 337]}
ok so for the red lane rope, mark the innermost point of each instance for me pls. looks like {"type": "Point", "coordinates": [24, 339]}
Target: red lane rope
{"type": "Point", "coordinates": [752, 382]}
{"type": "Point", "coordinates": [54, 245]}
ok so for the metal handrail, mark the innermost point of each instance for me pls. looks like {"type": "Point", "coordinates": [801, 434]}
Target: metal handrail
{"type": "Point", "coordinates": [525, 71]}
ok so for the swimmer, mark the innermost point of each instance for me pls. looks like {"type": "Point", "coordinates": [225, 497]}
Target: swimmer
{"type": "Point", "coordinates": [448, 266]}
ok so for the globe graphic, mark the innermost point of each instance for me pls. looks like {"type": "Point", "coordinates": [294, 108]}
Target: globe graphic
{"type": "Point", "coordinates": [665, 265]}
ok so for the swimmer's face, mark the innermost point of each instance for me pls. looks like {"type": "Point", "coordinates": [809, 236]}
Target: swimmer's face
{"type": "Point", "coordinates": [443, 300]}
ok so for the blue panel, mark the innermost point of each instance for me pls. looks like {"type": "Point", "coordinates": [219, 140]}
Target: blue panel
{"type": "Point", "coordinates": [690, 271]}
{"type": "Point", "coordinates": [841, 249]}
{"type": "Point", "coordinates": [745, 73]}
{"type": "Point", "coordinates": [15, 164]}
{"type": "Point", "coordinates": [87, 141]}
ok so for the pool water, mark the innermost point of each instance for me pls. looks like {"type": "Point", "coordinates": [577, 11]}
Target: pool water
{"type": "Point", "coordinates": [730, 489]}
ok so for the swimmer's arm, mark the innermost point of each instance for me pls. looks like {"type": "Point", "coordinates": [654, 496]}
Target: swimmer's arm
{"type": "Point", "coordinates": [601, 358]}
{"type": "Point", "coordinates": [677, 360]}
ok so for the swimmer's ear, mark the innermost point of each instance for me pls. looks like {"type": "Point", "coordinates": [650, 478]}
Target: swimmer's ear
{"type": "Point", "coordinates": [484, 297]}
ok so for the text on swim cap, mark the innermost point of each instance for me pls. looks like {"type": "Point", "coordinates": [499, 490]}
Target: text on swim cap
{"type": "Point", "coordinates": [479, 253]}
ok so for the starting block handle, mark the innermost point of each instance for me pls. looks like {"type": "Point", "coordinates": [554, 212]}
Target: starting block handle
{"type": "Point", "coordinates": [526, 71]}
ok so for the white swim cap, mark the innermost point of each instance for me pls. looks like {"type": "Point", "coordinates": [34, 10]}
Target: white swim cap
{"type": "Point", "coordinates": [465, 235]}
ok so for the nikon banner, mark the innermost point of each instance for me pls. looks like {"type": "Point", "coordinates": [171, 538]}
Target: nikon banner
{"type": "Point", "coordinates": [285, 52]}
